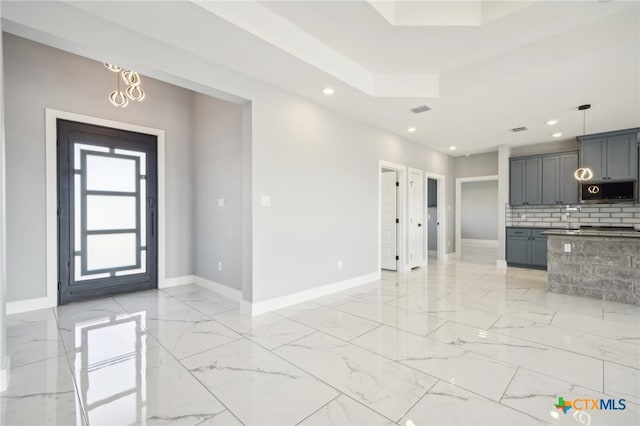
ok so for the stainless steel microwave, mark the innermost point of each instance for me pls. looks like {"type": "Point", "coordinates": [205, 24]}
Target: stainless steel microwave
{"type": "Point", "coordinates": [609, 192]}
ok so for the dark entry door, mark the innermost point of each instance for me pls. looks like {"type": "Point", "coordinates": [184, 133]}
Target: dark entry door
{"type": "Point", "coordinates": [107, 196]}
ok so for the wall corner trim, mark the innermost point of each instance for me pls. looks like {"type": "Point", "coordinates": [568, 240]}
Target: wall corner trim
{"type": "Point", "coordinates": [269, 305]}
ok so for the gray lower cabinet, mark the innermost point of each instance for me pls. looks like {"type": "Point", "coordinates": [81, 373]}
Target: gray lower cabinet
{"type": "Point", "coordinates": [526, 247]}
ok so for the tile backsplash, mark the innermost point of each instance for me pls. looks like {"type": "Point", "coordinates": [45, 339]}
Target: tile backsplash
{"type": "Point", "coordinates": [619, 214]}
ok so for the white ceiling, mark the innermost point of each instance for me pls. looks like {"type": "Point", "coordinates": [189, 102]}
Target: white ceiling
{"type": "Point", "coordinates": [526, 65]}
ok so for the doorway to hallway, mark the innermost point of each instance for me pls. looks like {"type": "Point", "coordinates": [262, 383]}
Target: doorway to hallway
{"type": "Point", "coordinates": [107, 211]}
{"type": "Point", "coordinates": [389, 220]}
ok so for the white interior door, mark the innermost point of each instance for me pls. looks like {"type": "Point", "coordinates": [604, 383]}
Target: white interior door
{"type": "Point", "coordinates": [416, 217]}
{"type": "Point", "coordinates": [389, 215]}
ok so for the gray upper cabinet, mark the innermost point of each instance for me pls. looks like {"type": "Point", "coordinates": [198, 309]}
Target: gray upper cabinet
{"type": "Point", "coordinates": [559, 186]}
{"type": "Point", "coordinates": [593, 156]}
{"type": "Point", "coordinates": [621, 157]}
{"type": "Point", "coordinates": [611, 156]}
{"type": "Point", "coordinates": [525, 181]}
{"type": "Point", "coordinates": [544, 180]}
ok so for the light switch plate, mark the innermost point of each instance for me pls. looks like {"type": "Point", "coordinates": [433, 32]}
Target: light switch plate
{"type": "Point", "coordinates": [220, 202]}
{"type": "Point", "coordinates": [265, 200]}
{"type": "Point", "coordinates": [567, 247]}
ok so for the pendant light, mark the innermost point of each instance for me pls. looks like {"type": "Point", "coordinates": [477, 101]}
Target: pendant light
{"type": "Point", "coordinates": [584, 173]}
{"type": "Point", "coordinates": [134, 92]}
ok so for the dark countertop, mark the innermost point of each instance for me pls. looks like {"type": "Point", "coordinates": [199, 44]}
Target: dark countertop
{"type": "Point", "coordinates": [627, 233]}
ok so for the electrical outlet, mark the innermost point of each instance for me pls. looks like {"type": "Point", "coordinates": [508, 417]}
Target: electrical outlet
{"type": "Point", "coordinates": [340, 265]}
{"type": "Point", "coordinates": [219, 266]}
{"type": "Point", "coordinates": [265, 201]}
{"type": "Point", "coordinates": [523, 217]}
{"type": "Point", "coordinates": [220, 202]}
{"type": "Point", "coordinates": [567, 247]}
{"type": "Point", "coordinates": [564, 217]}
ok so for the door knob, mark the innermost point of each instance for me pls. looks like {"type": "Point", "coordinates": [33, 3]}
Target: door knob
{"type": "Point", "coordinates": [419, 224]}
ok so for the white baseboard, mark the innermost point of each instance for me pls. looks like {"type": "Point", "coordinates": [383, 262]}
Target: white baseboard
{"type": "Point", "coordinates": [501, 264]}
{"type": "Point", "coordinates": [304, 296]}
{"type": "Point", "coordinates": [176, 281]}
{"type": "Point", "coordinates": [4, 374]}
{"type": "Point", "coordinates": [479, 243]}
{"type": "Point", "coordinates": [221, 289]}
{"type": "Point", "coordinates": [27, 305]}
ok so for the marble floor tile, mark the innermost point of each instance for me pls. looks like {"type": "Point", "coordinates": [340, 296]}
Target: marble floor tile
{"type": "Point", "coordinates": [155, 304]}
{"type": "Point", "coordinates": [443, 308]}
{"type": "Point", "coordinates": [258, 386]}
{"type": "Point", "coordinates": [226, 418]}
{"type": "Point", "coordinates": [392, 316]}
{"type": "Point", "coordinates": [446, 404]}
{"type": "Point", "coordinates": [341, 324]}
{"type": "Point", "coordinates": [207, 302]}
{"type": "Point", "coordinates": [143, 387]}
{"type": "Point", "coordinates": [35, 341]}
{"type": "Point", "coordinates": [345, 411]}
{"type": "Point", "coordinates": [88, 311]}
{"type": "Point", "coordinates": [537, 394]}
{"type": "Point", "coordinates": [41, 393]}
{"type": "Point", "coordinates": [32, 317]}
{"type": "Point", "coordinates": [458, 342]}
{"type": "Point", "coordinates": [386, 387]}
{"type": "Point", "coordinates": [627, 330]}
{"type": "Point", "coordinates": [268, 330]}
{"type": "Point", "coordinates": [617, 351]}
{"type": "Point", "coordinates": [185, 337]}
{"type": "Point", "coordinates": [101, 340]}
{"type": "Point", "coordinates": [621, 381]}
{"type": "Point", "coordinates": [468, 370]}
{"type": "Point", "coordinates": [569, 366]}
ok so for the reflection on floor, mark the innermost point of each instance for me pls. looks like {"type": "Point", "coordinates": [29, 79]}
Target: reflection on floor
{"type": "Point", "coordinates": [456, 343]}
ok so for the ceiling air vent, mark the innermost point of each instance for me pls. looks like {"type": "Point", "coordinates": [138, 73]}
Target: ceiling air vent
{"type": "Point", "coordinates": [421, 108]}
{"type": "Point", "coordinates": [519, 129]}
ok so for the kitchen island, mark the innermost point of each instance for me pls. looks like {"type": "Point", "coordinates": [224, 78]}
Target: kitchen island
{"type": "Point", "coordinates": [603, 264]}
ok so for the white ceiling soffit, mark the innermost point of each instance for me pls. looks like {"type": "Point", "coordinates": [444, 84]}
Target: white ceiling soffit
{"type": "Point", "coordinates": [445, 13]}
{"type": "Point", "coordinates": [262, 22]}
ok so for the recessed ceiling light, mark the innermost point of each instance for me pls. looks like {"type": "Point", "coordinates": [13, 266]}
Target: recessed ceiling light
{"type": "Point", "coordinates": [411, 129]}
{"type": "Point", "coordinates": [557, 134]}
{"type": "Point", "coordinates": [552, 122]}
{"type": "Point", "coordinates": [452, 148]}
{"type": "Point", "coordinates": [328, 91]}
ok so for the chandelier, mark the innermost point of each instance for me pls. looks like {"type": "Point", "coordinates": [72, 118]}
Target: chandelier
{"type": "Point", "coordinates": [133, 90]}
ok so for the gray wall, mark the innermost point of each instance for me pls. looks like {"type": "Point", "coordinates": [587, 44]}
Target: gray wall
{"type": "Point", "coordinates": [218, 170]}
{"type": "Point", "coordinates": [485, 164]}
{"type": "Point", "coordinates": [39, 77]}
{"type": "Point", "coordinates": [479, 210]}
{"type": "Point", "coordinates": [319, 166]}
